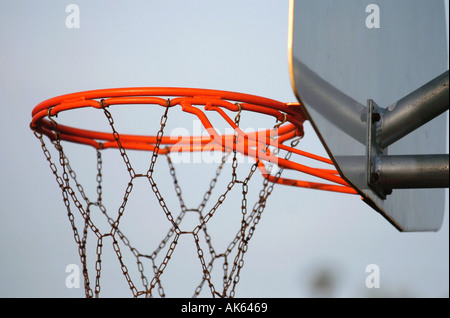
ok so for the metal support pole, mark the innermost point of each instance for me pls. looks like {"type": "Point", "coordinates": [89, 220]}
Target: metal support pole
{"type": "Point", "coordinates": [414, 110]}
{"type": "Point", "coordinates": [412, 171]}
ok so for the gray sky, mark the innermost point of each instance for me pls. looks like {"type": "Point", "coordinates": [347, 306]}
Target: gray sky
{"type": "Point", "coordinates": [234, 45]}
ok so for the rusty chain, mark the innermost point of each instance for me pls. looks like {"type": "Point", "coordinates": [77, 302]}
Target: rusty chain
{"type": "Point", "coordinates": [249, 221]}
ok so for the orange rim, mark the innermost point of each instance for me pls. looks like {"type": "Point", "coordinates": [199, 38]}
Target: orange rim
{"type": "Point", "coordinates": [198, 102]}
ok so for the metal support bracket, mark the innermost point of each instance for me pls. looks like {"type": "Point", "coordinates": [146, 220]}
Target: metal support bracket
{"type": "Point", "coordinates": [373, 152]}
{"type": "Point", "coordinates": [385, 173]}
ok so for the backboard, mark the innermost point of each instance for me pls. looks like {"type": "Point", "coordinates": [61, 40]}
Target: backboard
{"type": "Point", "coordinates": [346, 57]}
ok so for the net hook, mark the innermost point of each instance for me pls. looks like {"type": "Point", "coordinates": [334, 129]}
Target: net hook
{"type": "Point", "coordinates": [295, 141]}
{"type": "Point", "coordinates": [240, 109]}
{"type": "Point", "coordinates": [53, 122]}
{"type": "Point", "coordinates": [279, 124]}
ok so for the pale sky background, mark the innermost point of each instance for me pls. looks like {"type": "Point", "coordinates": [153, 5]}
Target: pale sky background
{"type": "Point", "coordinates": [228, 45]}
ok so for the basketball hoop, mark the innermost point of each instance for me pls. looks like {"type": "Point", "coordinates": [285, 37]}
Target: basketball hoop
{"type": "Point", "coordinates": [289, 114]}
{"type": "Point", "coordinates": [264, 147]}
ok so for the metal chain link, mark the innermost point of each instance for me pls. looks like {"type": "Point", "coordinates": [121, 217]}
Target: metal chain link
{"type": "Point", "coordinates": [231, 277]}
{"type": "Point", "coordinates": [64, 186]}
{"type": "Point", "coordinates": [254, 216]}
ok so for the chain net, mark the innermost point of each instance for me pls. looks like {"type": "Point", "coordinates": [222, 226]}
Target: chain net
{"type": "Point", "coordinates": [150, 281]}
